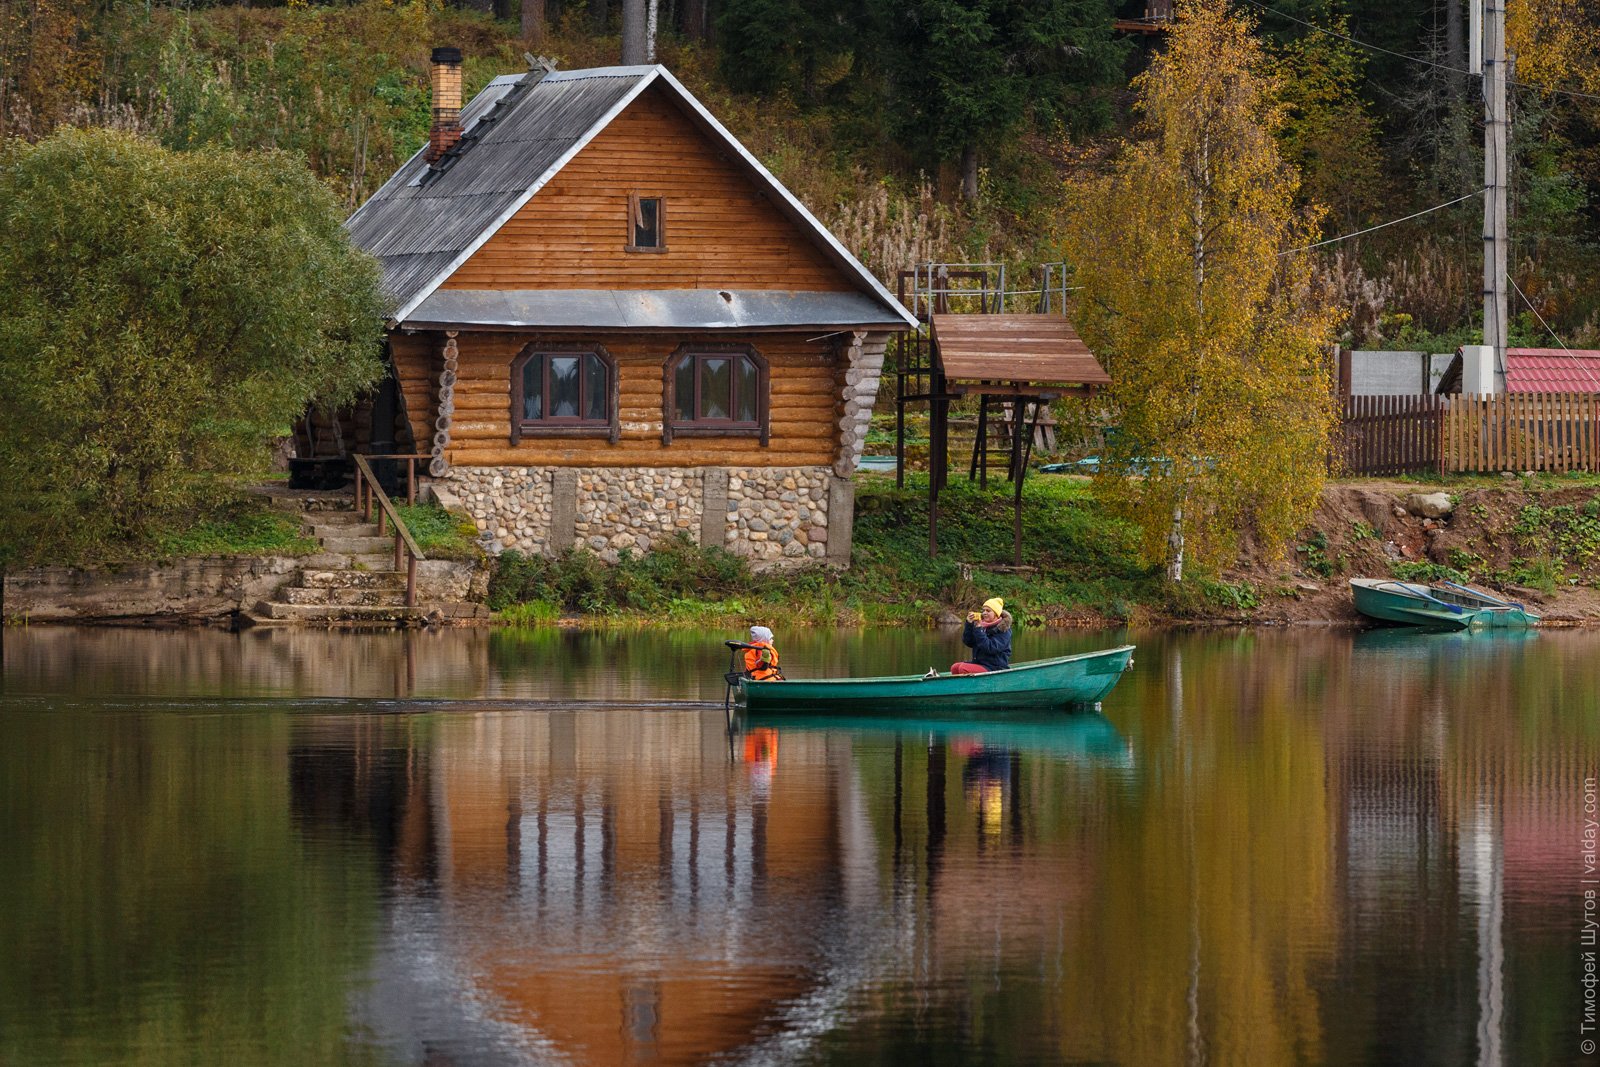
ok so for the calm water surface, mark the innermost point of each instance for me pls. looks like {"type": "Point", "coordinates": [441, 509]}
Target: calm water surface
{"type": "Point", "coordinates": [467, 848]}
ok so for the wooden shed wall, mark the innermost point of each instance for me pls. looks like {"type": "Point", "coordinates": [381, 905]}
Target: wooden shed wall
{"type": "Point", "coordinates": [416, 367]}
{"type": "Point", "coordinates": [805, 377]}
{"type": "Point", "coordinates": [721, 232]}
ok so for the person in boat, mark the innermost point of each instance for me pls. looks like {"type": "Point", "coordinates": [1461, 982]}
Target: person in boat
{"type": "Point", "coordinates": [761, 658]}
{"type": "Point", "coordinates": [988, 634]}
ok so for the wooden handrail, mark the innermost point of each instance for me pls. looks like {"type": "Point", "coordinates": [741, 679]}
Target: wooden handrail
{"type": "Point", "coordinates": [403, 541]}
{"type": "Point", "coordinates": [411, 469]}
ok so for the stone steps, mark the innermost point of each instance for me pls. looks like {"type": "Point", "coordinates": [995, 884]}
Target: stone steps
{"type": "Point", "coordinates": [356, 546]}
{"type": "Point", "coordinates": [324, 530]}
{"type": "Point", "coordinates": [352, 581]}
{"type": "Point", "coordinates": [347, 596]}
{"type": "Point", "coordinates": [270, 613]}
{"type": "Point", "coordinates": [331, 613]}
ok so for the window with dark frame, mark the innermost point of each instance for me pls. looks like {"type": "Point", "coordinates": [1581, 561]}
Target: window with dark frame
{"type": "Point", "coordinates": [716, 390]}
{"type": "Point", "coordinates": [647, 223]}
{"type": "Point", "coordinates": [563, 390]}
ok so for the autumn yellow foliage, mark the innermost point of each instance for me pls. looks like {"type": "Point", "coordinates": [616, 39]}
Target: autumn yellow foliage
{"type": "Point", "coordinates": [1200, 309]}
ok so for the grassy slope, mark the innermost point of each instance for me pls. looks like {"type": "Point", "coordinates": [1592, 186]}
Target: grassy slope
{"type": "Point", "coordinates": [1085, 569]}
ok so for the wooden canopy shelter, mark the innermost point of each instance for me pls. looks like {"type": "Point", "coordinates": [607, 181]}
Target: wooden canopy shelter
{"type": "Point", "coordinates": [1012, 361]}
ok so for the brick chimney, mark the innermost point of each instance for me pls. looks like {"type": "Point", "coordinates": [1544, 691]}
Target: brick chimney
{"type": "Point", "coordinates": [445, 77]}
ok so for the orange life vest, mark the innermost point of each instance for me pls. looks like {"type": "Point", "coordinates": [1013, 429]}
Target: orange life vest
{"type": "Point", "coordinates": [761, 663]}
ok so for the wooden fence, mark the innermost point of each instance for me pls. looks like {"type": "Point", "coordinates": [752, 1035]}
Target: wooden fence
{"type": "Point", "coordinates": [1390, 434]}
{"type": "Point", "coordinates": [1554, 432]}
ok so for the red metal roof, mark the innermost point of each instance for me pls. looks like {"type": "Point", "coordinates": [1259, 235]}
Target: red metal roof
{"type": "Point", "coordinates": [1552, 370]}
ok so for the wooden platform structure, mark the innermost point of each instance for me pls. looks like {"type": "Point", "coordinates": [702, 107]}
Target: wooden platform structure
{"type": "Point", "coordinates": [1014, 364]}
{"type": "Point", "coordinates": [1157, 19]}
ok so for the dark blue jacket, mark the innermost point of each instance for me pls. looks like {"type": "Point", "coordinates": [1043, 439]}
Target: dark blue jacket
{"type": "Point", "coordinates": [991, 647]}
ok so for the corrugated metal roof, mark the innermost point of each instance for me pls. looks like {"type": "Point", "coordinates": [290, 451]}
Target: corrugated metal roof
{"type": "Point", "coordinates": [645, 309]}
{"type": "Point", "coordinates": [517, 133]}
{"type": "Point", "coordinates": [1552, 370]}
{"type": "Point", "coordinates": [1040, 349]}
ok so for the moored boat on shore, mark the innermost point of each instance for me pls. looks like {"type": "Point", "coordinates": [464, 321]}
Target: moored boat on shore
{"type": "Point", "coordinates": [1442, 605]}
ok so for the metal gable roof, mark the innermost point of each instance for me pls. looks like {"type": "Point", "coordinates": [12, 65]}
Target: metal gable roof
{"type": "Point", "coordinates": [516, 134]}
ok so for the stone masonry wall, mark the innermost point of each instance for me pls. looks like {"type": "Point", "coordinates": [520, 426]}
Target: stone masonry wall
{"type": "Point", "coordinates": [777, 517]}
{"type": "Point", "coordinates": [513, 504]}
{"type": "Point", "coordinates": [634, 508]}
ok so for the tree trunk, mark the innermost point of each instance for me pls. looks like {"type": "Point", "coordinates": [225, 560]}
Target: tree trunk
{"type": "Point", "coordinates": [694, 19]}
{"type": "Point", "coordinates": [969, 173]}
{"type": "Point", "coordinates": [534, 18]}
{"type": "Point", "coordinates": [1455, 46]}
{"type": "Point", "coordinates": [1175, 546]}
{"type": "Point", "coordinates": [633, 33]}
{"type": "Point", "coordinates": [650, 31]}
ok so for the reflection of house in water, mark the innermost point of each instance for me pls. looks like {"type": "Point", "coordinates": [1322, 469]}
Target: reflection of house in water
{"type": "Point", "coordinates": [625, 886]}
{"type": "Point", "coordinates": [601, 888]}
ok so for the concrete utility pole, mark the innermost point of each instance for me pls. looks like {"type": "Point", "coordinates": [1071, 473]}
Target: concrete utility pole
{"type": "Point", "coordinates": [1496, 179]}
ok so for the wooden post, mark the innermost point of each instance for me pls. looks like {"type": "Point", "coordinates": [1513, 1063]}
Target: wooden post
{"type": "Point", "coordinates": [411, 582]}
{"type": "Point", "coordinates": [980, 447]}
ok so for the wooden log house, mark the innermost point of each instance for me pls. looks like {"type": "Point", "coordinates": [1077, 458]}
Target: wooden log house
{"type": "Point", "coordinates": [612, 325]}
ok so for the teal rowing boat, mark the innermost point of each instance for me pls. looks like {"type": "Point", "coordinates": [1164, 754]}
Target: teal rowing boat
{"type": "Point", "coordinates": [1443, 605]}
{"type": "Point", "coordinates": [1047, 684]}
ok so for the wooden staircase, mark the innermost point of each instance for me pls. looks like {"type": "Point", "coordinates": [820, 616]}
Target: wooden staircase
{"type": "Point", "coordinates": [353, 580]}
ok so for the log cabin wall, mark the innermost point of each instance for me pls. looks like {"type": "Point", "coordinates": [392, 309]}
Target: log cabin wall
{"type": "Point", "coordinates": [781, 504]}
{"type": "Point", "coordinates": [720, 231]}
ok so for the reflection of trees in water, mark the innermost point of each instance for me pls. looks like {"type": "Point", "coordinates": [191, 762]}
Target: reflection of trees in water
{"type": "Point", "coordinates": [159, 903]}
{"type": "Point", "coordinates": [364, 780]}
{"type": "Point", "coordinates": [262, 662]}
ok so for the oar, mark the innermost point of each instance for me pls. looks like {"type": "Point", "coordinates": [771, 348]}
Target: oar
{"type": "Point", "coordinates": [1480, 593]}
{"type": "Point", "coordinates": [732, 678]}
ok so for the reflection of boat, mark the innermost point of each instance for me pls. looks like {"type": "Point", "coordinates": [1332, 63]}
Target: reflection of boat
{"type": "Point", "coordinates": [1041, 685]}
{"type": "Point", "coordinates": [1418, 642]}
{"type": "Point", "coordinates": [1444, 605]}
{"type": "Point", "coordinates": [1089, 736]}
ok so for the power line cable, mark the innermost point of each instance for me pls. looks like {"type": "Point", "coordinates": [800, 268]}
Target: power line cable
{"type": "Point", "coordinates": [1361, 44]}
{"type": "Point", "coordinates": [1383, 225]}
{"type": "Point", "coordinates": [1415, 59]}
{"type": "Point", "coordinates": [1577, 361]}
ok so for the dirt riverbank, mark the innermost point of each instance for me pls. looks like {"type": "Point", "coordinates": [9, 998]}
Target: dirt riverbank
{"type": "Point", "coordinates": [1534, 541]}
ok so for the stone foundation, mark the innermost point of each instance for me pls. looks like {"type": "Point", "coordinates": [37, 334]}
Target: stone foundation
{"type": "Point", "coordinates": [777, 517]}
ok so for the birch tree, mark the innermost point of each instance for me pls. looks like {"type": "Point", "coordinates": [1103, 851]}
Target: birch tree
{"type": "Point", "coordinates": [1205, 318]}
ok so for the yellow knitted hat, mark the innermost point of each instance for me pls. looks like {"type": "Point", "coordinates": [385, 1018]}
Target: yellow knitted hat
{"type": "Point", "coordinates": [995, 604]}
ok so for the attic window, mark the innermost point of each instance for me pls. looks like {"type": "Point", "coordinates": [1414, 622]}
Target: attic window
{"type": "Point", "coordinates": [647, 223]}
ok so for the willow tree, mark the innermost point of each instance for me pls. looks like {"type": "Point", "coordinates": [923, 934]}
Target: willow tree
{"type": "Point", "coordinates": [1202, 310]}
{"type": "Point", "coordinates": [162, 316]}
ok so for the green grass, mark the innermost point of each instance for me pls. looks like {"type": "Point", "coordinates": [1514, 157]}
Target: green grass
{"type": "Point", "coordinates": [1085, 563]}
{"type": "Point", "coordinates": [249, 529]}
{"type": "Point", "coordinates": [439, 533]}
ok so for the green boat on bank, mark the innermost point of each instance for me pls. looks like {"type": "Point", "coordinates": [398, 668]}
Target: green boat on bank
{"type": "Point", "coordinates": [1065, 682]}
{"type": "Point", "coordinates": [1442, 605]}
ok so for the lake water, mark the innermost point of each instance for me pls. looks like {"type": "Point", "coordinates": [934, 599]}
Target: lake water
{"type": "Point", "coordinates": [474, 847]}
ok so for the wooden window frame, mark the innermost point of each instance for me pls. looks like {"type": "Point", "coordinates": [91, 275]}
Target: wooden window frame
{"type": "Point", "coordinates": [672, 427]}
{"type": "Point", "coordinates": [610, 427]}
{"type": "Point", "coordinates": [661, 223]}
